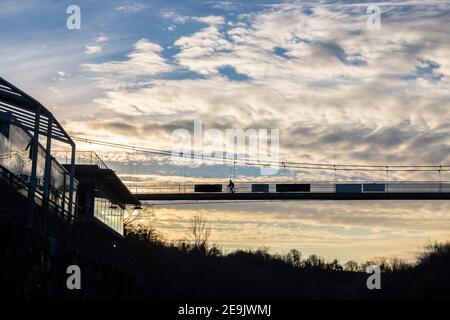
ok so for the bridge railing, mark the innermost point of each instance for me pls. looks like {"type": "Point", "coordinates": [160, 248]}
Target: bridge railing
{"type": "Point", "coordinates": [81, 157]}
{"type": "Point", "coordinates": [315, 186]}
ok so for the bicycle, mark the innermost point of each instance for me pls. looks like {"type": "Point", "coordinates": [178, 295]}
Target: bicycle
{"type": "Point", "coordinates": [232, 189]}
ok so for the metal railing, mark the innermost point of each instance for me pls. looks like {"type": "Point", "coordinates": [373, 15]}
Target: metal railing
{"type": "Point", "coordinates": [81, 157]}
{"type": "Point", "coordinates": [58, 204]}
{"type": "Point", "coordinates": [315, 186]}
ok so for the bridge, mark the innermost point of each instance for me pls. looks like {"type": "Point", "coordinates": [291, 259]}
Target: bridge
{"type": "Point", "coordinates": [393, 187]}
{"type": "Point", "coordinates": [323, 190]}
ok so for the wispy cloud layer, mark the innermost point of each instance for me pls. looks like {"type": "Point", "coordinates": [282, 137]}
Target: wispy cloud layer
{"type": "Point", "coordinates": [314, 70]}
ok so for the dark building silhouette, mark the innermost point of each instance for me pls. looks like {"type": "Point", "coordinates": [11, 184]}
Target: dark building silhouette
{"type": "Point", "coordinates": [54, 215]}
{"type": "Point", "coordinates": [101, 194]}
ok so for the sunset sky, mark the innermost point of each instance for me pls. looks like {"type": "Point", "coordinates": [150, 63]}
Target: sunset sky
{"type": "Point", "coordinates": [338, 91]}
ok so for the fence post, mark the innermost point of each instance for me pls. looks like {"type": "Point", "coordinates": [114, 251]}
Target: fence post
{"type": "Point", "coordinates": [34, 143]}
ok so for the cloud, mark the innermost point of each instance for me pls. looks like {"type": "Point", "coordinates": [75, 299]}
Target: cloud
{"type": "Point", "coordinates": [337, 90]}
{"type": "Point", "coordinates": [225, 5]}
{"type": "Point", "coordinates": [132, 8]}
{"type": "Point", "coordinates": [93, 49]}
{"type": "Point", "coordinates": [171, 15]}
{"type": "Point", "coordinates": [210, 20]}
{"type": "Point", "coordinates": [144, 60]}
{"type": "Point", "coordinates": [177, 18]}
{"type": "Point", "coordinates": [96, 47]}
{"type": "Point", "coordinates": [61, 76]}
{"type": "Point", "coordinates": [101, 39]}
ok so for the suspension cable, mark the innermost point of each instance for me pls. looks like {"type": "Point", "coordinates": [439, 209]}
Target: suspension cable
{"type": "Point", "coordinates": [271, 163]}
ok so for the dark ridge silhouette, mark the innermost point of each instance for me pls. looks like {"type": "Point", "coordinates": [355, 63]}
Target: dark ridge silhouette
{"type": "Point", "coordinates": [187, 270]}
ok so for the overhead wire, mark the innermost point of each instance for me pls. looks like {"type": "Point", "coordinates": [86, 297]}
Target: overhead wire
{"type": "Point", "coordinates": [271, 163]}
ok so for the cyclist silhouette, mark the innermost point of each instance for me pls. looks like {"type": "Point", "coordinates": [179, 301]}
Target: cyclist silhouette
{"type": "Point", "coordinates": [230, 187]}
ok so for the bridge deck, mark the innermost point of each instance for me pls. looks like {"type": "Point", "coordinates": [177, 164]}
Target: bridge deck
{"type": "Point", "coordinates": [294, 196]}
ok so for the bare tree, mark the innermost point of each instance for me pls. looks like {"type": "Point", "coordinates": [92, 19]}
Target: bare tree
{"type": "Point", "coordinates": [314, 261]}
{"type": "Point", "coordinates": [334, 265]}
{"type": "Point", "coordinates": [398, 264]}
{"type": "Point", "coordinates": [200, 232]}
{"type": "Point", "coordinates": [351, 266]}
{"type": "Point", "coordinates": [294, 258]}
{"type": "Point", "coordinates": [133, 216]}
{"type": "Point", "coordinates": [383, 264]}
{"type": "Point", "coordinates": [368, 263]}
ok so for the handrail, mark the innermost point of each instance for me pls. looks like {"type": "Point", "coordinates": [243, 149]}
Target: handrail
{"type": "Point", "coordinates": [92, 157]}
{"type": "Point", "coordinates": [15, 181]}
{"type": "Point", "coordinates": [40, 148]}
{"type": "Point", "coordinates": [319, 186]}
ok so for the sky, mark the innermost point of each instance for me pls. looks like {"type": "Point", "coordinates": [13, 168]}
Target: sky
{"type": "Point", "coordinates": [337, 90]}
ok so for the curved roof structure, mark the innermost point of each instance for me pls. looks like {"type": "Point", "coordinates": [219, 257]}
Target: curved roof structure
{"type": "Point", "coordinates": [25, 108]}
